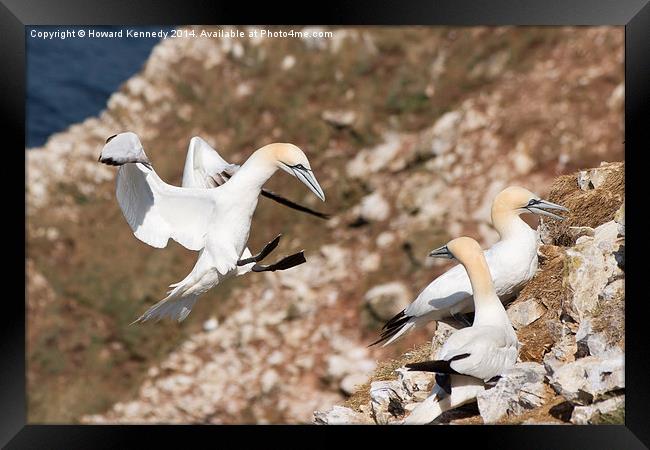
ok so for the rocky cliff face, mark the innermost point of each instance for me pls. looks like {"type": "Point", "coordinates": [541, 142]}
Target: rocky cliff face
{"type": "Point", "coordinates": [569, 319]}
{"type": "Point", "coordinates": [410, 132]}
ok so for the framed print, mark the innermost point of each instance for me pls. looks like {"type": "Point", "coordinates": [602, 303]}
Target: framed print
{"type": "Point", "coordinates": [369, 214]}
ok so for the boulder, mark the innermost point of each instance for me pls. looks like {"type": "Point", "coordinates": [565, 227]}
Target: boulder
{"type": "Point", "coordinates": [524, 313]}
{"type": "Point", "coordinates": [619, 218]}
{"type": "Point", "coordinates": [445, 132]}
{"type": "Point", "coordinates": [592, 343]}
{"type": "Point", "coordinates": [339, 119]}
{"type": "Point", "coordinates": [374, 208]}
{"type": "Point", "coordinates": [608, 411]}
{"type": "Point", "coordinates": [416, 385]}
{"type": "Point", "coordinates": [590, 378]}
{"type": "Point", "coordinates": [340, 415]}
{"type": "Point", "coordinates": [594, 178]}
{"type": "Point", "coordinates": [592, 264]}
{"type": "Point", "coordinates": [386, 300]}
{"type": "Point", "coordinates": [386, 401]}
{"type": "Point", "coordinates": [519, 389]}
{"type": "Point", "coordinates": [563, 351]}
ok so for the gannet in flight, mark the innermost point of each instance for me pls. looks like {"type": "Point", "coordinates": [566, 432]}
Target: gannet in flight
{"type": "Point", "coordinates": [216, 222]}
{"type": "Point", "coordinates": [206, 169]}
{"type": "Point", "coordinates": [512, 262]}
{"type": "Point", "coordinates": [474, 355]}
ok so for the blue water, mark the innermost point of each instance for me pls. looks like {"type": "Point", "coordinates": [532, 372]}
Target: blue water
{"type": "Point", "coordinates": [71, 79]}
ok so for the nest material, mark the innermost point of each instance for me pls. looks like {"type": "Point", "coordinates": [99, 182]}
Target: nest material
{"type": "Point", "coordinates": [588, 208]}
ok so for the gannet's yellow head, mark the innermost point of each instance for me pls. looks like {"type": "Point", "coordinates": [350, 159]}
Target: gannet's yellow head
{"type": "Point", "coordinates": [515, 199]}
{"type": "Point", "coordinates": [462, 249]}
{"type": "Point", "coordinates": [292, 160]}
{"type": "Point", "coordinates": [469, 253]}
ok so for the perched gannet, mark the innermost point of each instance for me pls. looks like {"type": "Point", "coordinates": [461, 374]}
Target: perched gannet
{"type": "Point", "coordinates": [512, 262]}
{"type": "Point", "coordinates": [483, 351]}
{"type": "Point", "coordinates": [216, 222]}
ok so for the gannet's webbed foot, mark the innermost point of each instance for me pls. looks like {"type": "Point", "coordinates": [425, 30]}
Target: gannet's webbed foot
{"type": "Point", "coordinates": [285, 263]}
{"type": "Point", "coordinates": [268, 248]}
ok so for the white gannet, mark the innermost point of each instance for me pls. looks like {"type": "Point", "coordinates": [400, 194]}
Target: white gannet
{"type": "Point", "coordinates": [216, 222]}
{"type": "Point", "coordinates": [474, 355]}
{"type": "Point", "coordinates": [512, 261]}
{"type": "Point", "coordinates": [205, 168]}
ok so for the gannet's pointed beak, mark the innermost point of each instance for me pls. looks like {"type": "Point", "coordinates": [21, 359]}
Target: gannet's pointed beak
{"type": "Point", "coordinates": [307, 176]}
{"type": "Point", "coordinates": [542, 208]}
{"type": "Point", "coordinates": [441, 252]}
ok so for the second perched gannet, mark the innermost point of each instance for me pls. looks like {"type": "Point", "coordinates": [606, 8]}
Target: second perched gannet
{"type": "Point", "coordinates": [216, 222]}
{"type": "Point", "coordinates": [474, 355]}
{"type": "Point", "coordinates": [512, 262]}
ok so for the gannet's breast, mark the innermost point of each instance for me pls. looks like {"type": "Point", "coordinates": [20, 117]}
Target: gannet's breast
{"type": "Point", "coordinates": [512, 263]}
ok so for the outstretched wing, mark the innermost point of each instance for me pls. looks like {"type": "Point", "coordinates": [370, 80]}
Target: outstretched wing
{"type": "Point", "coordinates": [204, 167]}
{"type": "Point", "coordinates": [155, 210]}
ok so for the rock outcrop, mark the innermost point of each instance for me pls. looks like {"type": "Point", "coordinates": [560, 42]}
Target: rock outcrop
{"type": "Point", "coordinates": [569, 319]}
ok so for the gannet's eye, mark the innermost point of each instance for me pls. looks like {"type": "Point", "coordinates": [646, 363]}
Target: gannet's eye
{"type": "Point", "coordinates": [300, 167]}
{"type": "Point", "coordinates": [109, 138]}
{"type": "Point", "coordinates": [532, 202]}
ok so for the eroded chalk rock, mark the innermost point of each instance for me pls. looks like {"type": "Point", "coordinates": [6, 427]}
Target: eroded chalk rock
{"type": "Point", "coordinates": [386, 401]}
{"type": "Point", "coordinates": [525, 313]}
{"type": "Point", "coordinates": [607, 411]}
{"type": "Point", "coordinates": [519, 389]}
{"type": "Point", "coordinates": [590, 378]}
{"type": "Point", "coordinates": [340, 415]}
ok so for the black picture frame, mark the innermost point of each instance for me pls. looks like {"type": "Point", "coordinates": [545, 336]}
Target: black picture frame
{"type": "Point", "coordinates": [15, 15]}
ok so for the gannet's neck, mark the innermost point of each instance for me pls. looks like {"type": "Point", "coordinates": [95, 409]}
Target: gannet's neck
{"type": "Point", "coordinates": [479, 276]}
{"type": "Point", "coordinates": [487, 306]}
{"type": "Point", "coordinates": [508, 223]}
{"type": "Point", "coordinates": [256, 171]}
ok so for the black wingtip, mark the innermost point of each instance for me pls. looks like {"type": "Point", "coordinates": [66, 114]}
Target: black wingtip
{"type": "Point", "coordinates": [109, 161]}
{"type": "Point", "coordinates": [283, 201]}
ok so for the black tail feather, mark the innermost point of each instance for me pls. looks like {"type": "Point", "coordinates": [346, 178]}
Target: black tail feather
{"type": "Point", "coordinates": [394, 319]}
{"type": "Point", "coordinates": [438, 366]}
{"type": "Point", "coordinates": [392, 327]}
